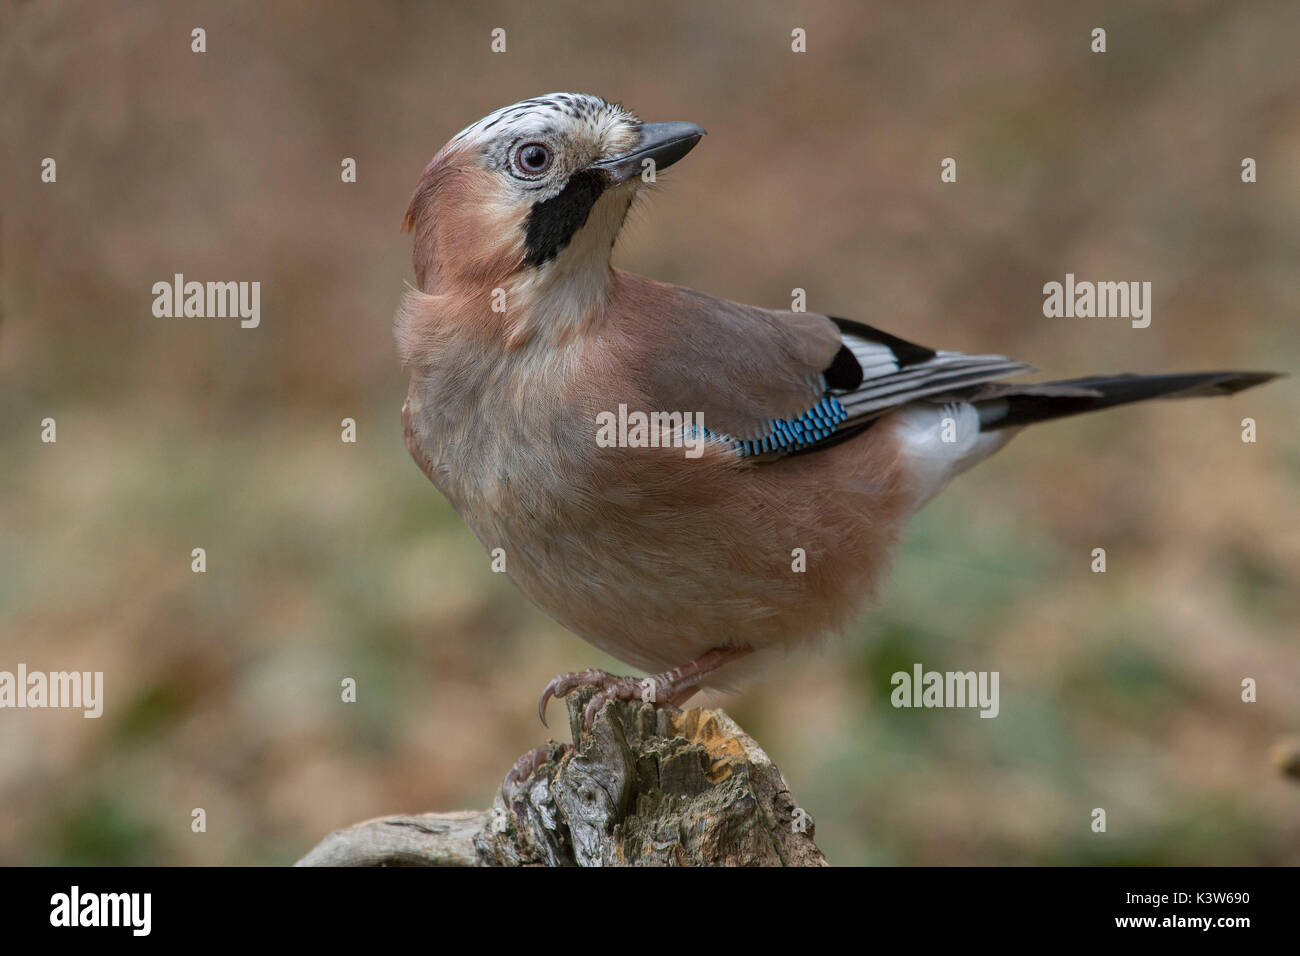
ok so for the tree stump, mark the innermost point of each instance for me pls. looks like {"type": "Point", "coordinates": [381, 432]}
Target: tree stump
{"type": "Point", "coordinates": [645, 787]}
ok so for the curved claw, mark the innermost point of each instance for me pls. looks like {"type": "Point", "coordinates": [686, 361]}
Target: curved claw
{"type": "Point", "coordinates": [593, 708]}
{"type": "Point", "coordinates": [547, 693]}
{"type": "Point", "coordinates": [668, 689]}
{"type": "Point", "coordinates": [562, 684]}
{"type": "Point", "coordinates": [514, 791]}
{"type": "Point", "coordinates": [620, 688]}
{"type": "Point", "coordinates": [525, 767]}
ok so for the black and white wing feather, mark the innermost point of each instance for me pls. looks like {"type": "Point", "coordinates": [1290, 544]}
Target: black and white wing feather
{"type": "Point", "coordinates": [895, 371]}
{"type": "Point", "coordinates": [873, 374]}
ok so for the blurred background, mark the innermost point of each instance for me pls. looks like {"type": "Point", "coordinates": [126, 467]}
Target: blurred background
{"type": "Point", "coordinates": [328, 560]}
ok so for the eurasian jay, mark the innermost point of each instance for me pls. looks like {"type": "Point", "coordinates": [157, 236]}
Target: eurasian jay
{"type": "Point", "coordinates": [815, 437]}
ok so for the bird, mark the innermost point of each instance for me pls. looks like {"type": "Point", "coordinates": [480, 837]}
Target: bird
{"type": "Point", "coordinates": [757, 511]}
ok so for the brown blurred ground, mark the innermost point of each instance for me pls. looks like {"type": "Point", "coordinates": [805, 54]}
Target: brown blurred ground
{"type": "Point", "coordinates": [329, 560]}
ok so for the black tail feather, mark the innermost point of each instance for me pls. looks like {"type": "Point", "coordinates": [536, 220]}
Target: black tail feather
{"type": "Point", "coordinates": [1010, 406]}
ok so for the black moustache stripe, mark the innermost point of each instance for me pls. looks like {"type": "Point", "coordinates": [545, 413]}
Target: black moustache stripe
{"type": "Point", "coordinates": [552, 223]}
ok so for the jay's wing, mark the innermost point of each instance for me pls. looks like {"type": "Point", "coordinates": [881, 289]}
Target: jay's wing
{"type": "Point", "coordinates": [780, 383]}
{"type": "Point", "coordinates": [894, 371]}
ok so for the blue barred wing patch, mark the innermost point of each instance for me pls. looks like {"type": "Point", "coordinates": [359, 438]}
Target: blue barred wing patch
{"type": "Point", "coordinates": [787, 435]}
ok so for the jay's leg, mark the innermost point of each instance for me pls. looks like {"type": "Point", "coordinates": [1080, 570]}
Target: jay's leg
{"type": "Point", "coordinates": [667, 689]}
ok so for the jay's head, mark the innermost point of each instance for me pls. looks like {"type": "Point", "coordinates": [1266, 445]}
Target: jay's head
{"type": "Point", "coordinates": [535, 191]}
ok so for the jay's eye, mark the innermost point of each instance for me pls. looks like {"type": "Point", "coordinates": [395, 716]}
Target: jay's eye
{"type": "Point", "coordinates": [533, 159]}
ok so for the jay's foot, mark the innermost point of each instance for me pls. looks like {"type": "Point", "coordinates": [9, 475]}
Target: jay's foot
{"type": "Point", "coordinates": [528, 764]}
{"type": "Point", "coordinates": [662, 690]}
{"type": "Point", "coordinates": [514, 789]}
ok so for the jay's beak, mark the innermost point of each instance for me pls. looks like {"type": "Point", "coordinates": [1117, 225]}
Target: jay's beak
{"type": "Point", "coordinates": [664, 143]}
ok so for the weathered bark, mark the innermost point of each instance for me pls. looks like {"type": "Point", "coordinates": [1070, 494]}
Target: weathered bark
{"type": "Point", "coordinates": [645, 787]}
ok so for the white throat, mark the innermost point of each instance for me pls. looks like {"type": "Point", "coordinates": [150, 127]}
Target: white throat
{"type": "Point", "coordinates": [565, 295]}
